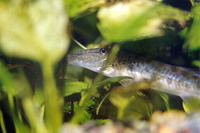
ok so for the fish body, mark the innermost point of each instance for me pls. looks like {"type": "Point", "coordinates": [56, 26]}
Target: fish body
{"type": "Point", "coordinates": [160, 76]}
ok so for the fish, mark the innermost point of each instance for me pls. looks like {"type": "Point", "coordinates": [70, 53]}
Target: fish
{"type": "Point", "coordinates": [160, 76]}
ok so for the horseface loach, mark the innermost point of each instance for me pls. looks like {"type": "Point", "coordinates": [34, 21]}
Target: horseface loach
{"type": "Point", "coordinates": [160, 76]}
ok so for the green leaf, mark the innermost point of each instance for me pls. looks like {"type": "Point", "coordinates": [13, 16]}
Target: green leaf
{"type": "Point", "coordinates": [6, 81]}
{"type": "Point", "coordinates": [5, 76]}
{"type": "Point", "coordinates": [34, 31]}
{"type": "Point", "coordinates": [196, 63]}
{"type": "Point", "coordinates": [74, 87]}
{"type": "Point", "coordinates": [83, 114]}
{"type": "Point", "coordinates": [76, 7]}
{"type": "Point", "coordinates": [193, 37]}
{"type": "Point", "coordinates": [130, 103]}
{"type": "Point", "coordinates": [165, 98]}
{"type": "Point", "coordinates": [191, 104]}
{"type": "Point", "coordinates": [137, 19]}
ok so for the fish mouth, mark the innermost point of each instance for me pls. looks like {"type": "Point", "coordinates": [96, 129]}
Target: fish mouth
{"type": "Point", "coordinates": [73, 56]}
{"type": "Point", "coordinates": [70, 58]}
{"type": "Point", "coordinates": [75, 59]}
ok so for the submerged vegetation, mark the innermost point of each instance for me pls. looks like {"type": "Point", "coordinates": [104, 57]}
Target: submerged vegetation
{"type": "Point", "coordinates": [41, 93]}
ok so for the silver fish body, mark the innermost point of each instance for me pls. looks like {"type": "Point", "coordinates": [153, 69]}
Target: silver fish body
{"type": "Point", "coordinates": [162, 77]}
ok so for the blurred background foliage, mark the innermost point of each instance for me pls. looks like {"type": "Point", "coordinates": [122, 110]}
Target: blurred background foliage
{"type": "Point", "coordinates": [39, 91]}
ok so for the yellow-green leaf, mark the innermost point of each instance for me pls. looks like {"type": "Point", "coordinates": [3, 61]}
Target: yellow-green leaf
{"type": "Point", "coordinates": [34, 31]}
{"type": "Point", "coordinates": [138, 19]}
{"type": "Point", "coordinates": [74, 87]}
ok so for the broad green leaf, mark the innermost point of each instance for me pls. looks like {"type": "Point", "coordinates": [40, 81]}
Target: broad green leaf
{"type": "Point", "coordinates": [74, 87]}
{"type": "Point", "coordinates": [83, 115]}
{"type": "Point", "coordinates": [34, 117]}
{"type": "Point", "coordinates": [37, 30]}
{"type": "Point", "coordinates": [34, 31]}
{"type": "Point", "coordinates": [138, 19]}
{"type": "Point", "coordinates": [196, 63]}
{"type": "Point", "coordinates": [6, 81]}
{"type": "Point", "coordinates": [5, 76]}
{"type": "Point", "coordinates": [191, 104]}
{"type": "Point", "coordinates": [165, 98]}
{"type": "Point", "coordinates": [193, 36]}
{"type": "Point", "coordinates": [75, 7]}
{"type": "Point", "coordinates": [85, 97]}
{"type": "Point", "coordinates": [130, 103]}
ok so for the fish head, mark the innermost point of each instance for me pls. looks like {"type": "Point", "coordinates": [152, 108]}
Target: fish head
{"type": "Point", "coordinates": [92, 59]}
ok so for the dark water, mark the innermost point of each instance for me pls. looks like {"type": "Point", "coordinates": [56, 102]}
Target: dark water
{"type": "Point", "coordinates": [182, 4]}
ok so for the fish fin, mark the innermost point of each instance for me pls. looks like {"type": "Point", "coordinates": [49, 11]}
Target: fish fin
{"type": "Point", "coordinates": [191, 103]}
{"type": "Point", "coordinates": [135, 85]}
{"type": "Point", "coordinates": [126, 82]}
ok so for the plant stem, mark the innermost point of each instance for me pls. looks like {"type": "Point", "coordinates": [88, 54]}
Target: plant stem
{"type": "Point", "coordinates": [53, 102]}
{"type": "Point", "coordinates": [2, 124]}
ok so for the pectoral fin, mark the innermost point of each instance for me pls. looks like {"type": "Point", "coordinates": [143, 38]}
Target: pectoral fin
{"type": "Point", "coordinates": [126, 82]}
{"type": "Point", "coordinates": [135, 85]}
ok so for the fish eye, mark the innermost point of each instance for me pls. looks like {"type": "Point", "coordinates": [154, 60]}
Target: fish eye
{"type": "Point", "coordinates": [103, 51]}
